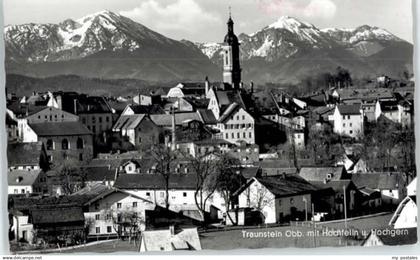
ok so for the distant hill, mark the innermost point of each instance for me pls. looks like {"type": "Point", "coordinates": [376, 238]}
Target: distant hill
{"type": "Point", "coordinates": [23, 85]}
{"type": "Point", "coordinates": [106, 45]}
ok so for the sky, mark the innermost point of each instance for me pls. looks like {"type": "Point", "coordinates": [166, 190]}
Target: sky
{"type": "Point", "coordinates": [205, 20]}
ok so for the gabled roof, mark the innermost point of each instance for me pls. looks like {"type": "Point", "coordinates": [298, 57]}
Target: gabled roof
{"type": "Point", "coordinates": [101, 174]}
{"type": "Point", "coordinates": [22, 177]}
{"type": "Point", "coordinates": [283, 185]}
{"type": "Point", "coordinates": [321, 173]}
{"type": "Point", "coordinates": [287, 185]}
{"type": "Point", "coordinates": [24, 153]}
{"type": "Point", "coordinates": [127, 122]}
{"type": "Point", "coordinates": [60, 129]}
{"type": "Point", "coordinates": [155, 181]}
{"type": "Point", "coordinates": [336, 185]}
{"type": "Point", "coordinates": [109, 191]}
{"type": "Point", "coordinates": [349, 109]}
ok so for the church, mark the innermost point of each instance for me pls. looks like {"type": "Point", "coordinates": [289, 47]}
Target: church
{"type": "Point", "coordinates": [235, 123]}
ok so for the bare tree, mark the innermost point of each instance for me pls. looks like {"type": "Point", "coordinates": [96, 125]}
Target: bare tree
{"type": "Point", "coordinates": [71, 176]}
{"type": "Point", "coordinates": [164, 157]}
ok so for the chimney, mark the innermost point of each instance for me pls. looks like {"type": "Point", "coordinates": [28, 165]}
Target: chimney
{"type": "Point", "coordinates": [207, 85]}
{"type": "Point", "coordinates": [252, 87]}
{"type": "Point", "coordinates": [75, 106]}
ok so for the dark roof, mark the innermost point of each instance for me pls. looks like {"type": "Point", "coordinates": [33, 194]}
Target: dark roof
{"type": "Point", "coordinates": [286, 185]}
{"type": "Point", "coordinates": [349, 109]}
{"type": "Point", "coordinates": [382, 181]}
{"type": "Point", "coordinates": [336, 185]}
{"type": "Point", "coordinates": [321, 173]}
{"type": "Point", "coordinates": [388, 106]}
{"type": "Point", "coordinates": [57, 215]}
{"type": "Point", "coordinates": [155, 181]}
{"type": "Point", "coordinates": [104, 173]}
{"type": "Point", "coordinates": [230, 110]}
{"type": "Point", "coordinates": [24, 109]}
{"type": "Point", "coordinates": [60, 129]}
{"type": "Point", "coordinates": [225, 98]}
{"type": "Point", "coordinates": [24, 153]}
{"type": "Point", "coordinates": [207, 116]}
{"type": "Point", "coordinates": [152, 109]}
{"type": "Point", "coordinates": [84, 104]}
{"type": "Point", "coordinates": [22, 177]}
{"type": "Point", "coordinates": [128, 122]}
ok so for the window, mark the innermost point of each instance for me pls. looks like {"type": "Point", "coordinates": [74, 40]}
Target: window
{"type": "Point", "coordinates": [237, 117]}
{"type": "Point", "coordinates": [65, 144]}
{"type": "Point", "coordinates": [250, 135]}
{"type": "Point", "coordinates": [98, 230]}
{"type": "Point", "coordinates": [109, 229]}
{"type": "Point", "coordinates": [184, 194]}
{"type": "Point", "coordinates": [233, 135]}
{"type": "Point", "coordinates": [22, 191]}
{"type": "Point", "coordinates": [80, 157]}
{"type": "Point", "coordinates": [94, 129]}
{"type": "Point", "coordinates": [97, 217]}
{"type": "Point", "coordinates": [162, 194]}
{"type": "Point", "coordinates": [119, 205]}
{"type": "Point", "coordinates": [344, 125]}
{"type": "Point", "coordinates": [100, 119]}
{"type": "Point", "coordinates": [351, 131]}
{"type": "Point", "coordinates": [107, 118]}
{"type": "Point", "coordinates": [108, 217]}
{"type": "Point", "coordinates": [93, 119]}
{"type": "Point", "coordinates": [243, 117]}
{"type": "Point", "coordinates": [134, 204]}
{"type": "Point", "coordinates": [291, 201]}
{"type": "Point", "coordinates": [148, 194]}
{"type": "Point", "coordinates": [238, 135]}
{"type": "Point", "coordinates": [50, 144]}
{"type": "Point", "coordinates": [79, 143]}
{"type": "Point", "coordinates": [351, 124]}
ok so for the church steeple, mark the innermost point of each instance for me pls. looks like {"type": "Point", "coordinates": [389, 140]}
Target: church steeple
{"type": "Point", "coordinates": [231, 65]}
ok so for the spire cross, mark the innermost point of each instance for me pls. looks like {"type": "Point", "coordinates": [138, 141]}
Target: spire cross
{"type": "Point", "coordinates": [230, 10]}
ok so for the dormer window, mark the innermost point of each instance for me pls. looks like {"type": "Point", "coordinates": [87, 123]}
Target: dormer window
{"type": "Point", "coordinates": [19, 179]}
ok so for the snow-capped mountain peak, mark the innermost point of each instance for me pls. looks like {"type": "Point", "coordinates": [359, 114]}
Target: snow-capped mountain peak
{"type": "Point", "coordinates": [289, 23]}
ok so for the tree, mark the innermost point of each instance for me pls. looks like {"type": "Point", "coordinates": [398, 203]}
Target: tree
{"type": "Point", "coordinates": [325, 145]}
{"type": "Point", "coordinates": [163, 157]}
{"type": "Point", "coordinates": [71, 176]}
{"type": "Point", "coordinates": [228, 180]}
{"type": "Point", "coordinates": [204, 166]}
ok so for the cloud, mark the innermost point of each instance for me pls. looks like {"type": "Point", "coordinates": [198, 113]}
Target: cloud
{"type": "Point", "coordinates": [179, 19]}
{"type": "Point", "coordinates": [324, 9]}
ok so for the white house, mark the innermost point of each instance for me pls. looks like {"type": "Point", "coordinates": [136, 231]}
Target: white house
{"type": "Point", "coordinates": [47, 114]}
{"type": "Point", "coordinates": [279, 198]}
{"type": "Point", "coordinates": [116, 211]}
{"type": "Point", "coordinates": [348, 120]}
{"type": "Point", "coordinates": [26, 181]}
{"type": "Point", "coordinates": [236, 125]}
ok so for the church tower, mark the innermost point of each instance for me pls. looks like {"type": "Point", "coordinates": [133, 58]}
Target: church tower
{"type": "Point", "coordinates": [231, 66]}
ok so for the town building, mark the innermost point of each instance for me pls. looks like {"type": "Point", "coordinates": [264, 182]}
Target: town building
{"type": "Point", "coordinates": [280, 198]}
{"type": "Point", "coordinates": [27, 182]}
{"type": "Point", "coordinates": [62, 140]}
{"type": "Point", "coordinates": [348, 120]}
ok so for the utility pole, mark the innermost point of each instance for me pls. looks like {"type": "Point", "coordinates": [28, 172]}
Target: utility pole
{"type": "Point", "coordinates": [173, 144]}
{"type": "Point", "coordinates": [345, 207]}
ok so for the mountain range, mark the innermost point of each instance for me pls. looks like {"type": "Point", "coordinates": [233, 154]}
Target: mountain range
{"type": "Point", "coordinates": [108, 45]}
